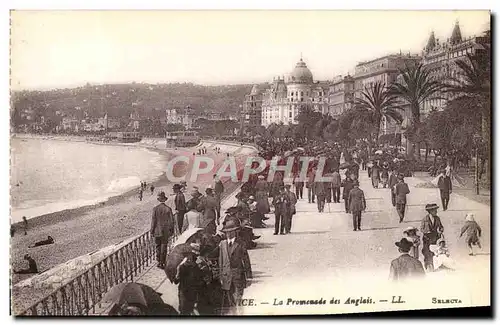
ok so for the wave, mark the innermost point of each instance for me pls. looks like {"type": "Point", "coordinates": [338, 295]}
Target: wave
{"type": "Point", "coordinates": [123, 184]}
{"type": "Point", "coordinates": [33, 212]}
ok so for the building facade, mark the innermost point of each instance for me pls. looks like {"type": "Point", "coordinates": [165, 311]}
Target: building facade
{"type": "Point", "coordinates": [440, 58]}
{"type": "Point", "coordinates": [386, 70]}
{"type": "Point", "coordinates": [283, 100]}
{"type": "Point", "coordinates": [252, 108]}
{"type": "Point", "coordinates": [340, 95]}
{"type": "Point", "coordinates": [180, 116]}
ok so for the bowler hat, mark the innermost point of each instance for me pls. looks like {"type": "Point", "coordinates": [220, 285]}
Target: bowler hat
{"type": "Point", "coordinates": [176, 187]}
{"type": "Point", "coordinates": [162, 197]}
{"type": "Point", "coordinates": [231, 225]}
{"type": "Point", "coordinates": [431, 206]}
{"type": "Point", "coordinates": [404, 244]}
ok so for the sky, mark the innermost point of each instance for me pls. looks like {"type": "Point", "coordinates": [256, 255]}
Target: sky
{"type": "Point", "coordinates": [59, 49]}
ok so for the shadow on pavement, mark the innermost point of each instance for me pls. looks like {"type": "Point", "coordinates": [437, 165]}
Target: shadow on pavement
{"type": "Point", "coordinates": [263, 246]}
{"type": "Point", "coordinates": [381, 228]}
{"type": "Point", "coordinates": [307, 232]}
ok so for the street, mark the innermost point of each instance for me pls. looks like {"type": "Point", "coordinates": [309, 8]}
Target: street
{"type": "Point", "coordinates": [323, 258]}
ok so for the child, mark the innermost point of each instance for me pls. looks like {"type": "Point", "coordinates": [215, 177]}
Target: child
{"type": "Point", "coordinates": [411, 235]}
{"type": "Point", "coordinates": [442, 258]}
{"type": "Point", "coordinates": [473, 232]}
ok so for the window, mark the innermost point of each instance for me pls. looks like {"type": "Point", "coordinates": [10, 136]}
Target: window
{"type": "Point", "coordinates": [301, 99]}
{"type": "Point", "coordinates": [290, 115]}
{"type": "Point", "coordinates": [301, 93]}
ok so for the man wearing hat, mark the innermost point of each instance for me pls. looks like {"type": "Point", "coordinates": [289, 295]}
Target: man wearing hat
{"type": "Point", "coordinates": [280, 202]}
{"type": "Point", "coordinates": [290, 208]}
{"type": "Point", "coordinates": [405, 267]}
{"type": "Point", "coordinates": [393, 180]}
{"type": "Point", "coordinates": [190, 280]}
{"type": "Point", "coordinates": [234, 264]}
{"type": "Point", "coordinates": [218, 190]}
{"type": "Point", "coordinates": [208, 208]}
{"type": "Point", "coordinates": [357, 204]}
{"type": "Point", "coordinates": [162, 228]}
{"type": "Point", "coordinates": [431, 228]}
{"type": "Point", "coordinates": [401, 190]}
{"type": "Point", "coordinates": [180, 205]}
{"type": "Point", "coordinates": [195, 198]}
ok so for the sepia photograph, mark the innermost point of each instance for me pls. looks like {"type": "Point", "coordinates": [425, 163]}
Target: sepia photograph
{"type": "Point", "coordinates": [250, 162]}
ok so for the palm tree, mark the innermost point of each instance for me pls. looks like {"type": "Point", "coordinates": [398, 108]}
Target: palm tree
{"type": "Point", "coordinates": [472, 83]}
{"type": "Point", "coordinates": [379, 103]}
{"type": "Point", "coordinates": [415, 87]}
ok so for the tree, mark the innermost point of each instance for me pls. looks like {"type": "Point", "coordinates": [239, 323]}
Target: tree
{"type": "Point", "coordinates": [472, 84]}
{"type": "Point", "coordinates": [379, 103]}
{"type": "Point", "coordinates": [307, 119]}
{"type": "Point", "coordinates": [415, 87]}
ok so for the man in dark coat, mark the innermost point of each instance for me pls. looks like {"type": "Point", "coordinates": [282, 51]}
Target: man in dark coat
{"type": "Point", "coordinates": [357, 204]}
{"type": "Point", "coordinates": [320, 191]}
{"type": "Point", "coordinates": [299, 187]}
{"type": "Point", "coordinates": [280, 202]}
{"type": "Point", "coordinates": [393, 180]}
{"type": "Point", "coordinates": [310, 185]}
{"type": "Point", "coordinates": [405, 266]}
{"type": "Point", "coordinates": [431, 228]}
{"type": "Point", "coordinates": [444, 184]}
{"type": "Point", "coordinates": [180, 205]}
{"type": "Point", "coordinates": [336, 183]}
{"type": "Point", "coordinates": [208, 207]}
{"type": "Point", "coordinates": [290, 209]}
{"type": "Point", "coordinates": [401, 190]}
{"type": "Point", "coordinates": [347, 185]}
{"type": "Point", "coordinates": [235, 267]}
{"type": "Point", "coordinates": [218, 190]}
{"type": "Point", "coordinates": [162, 228]}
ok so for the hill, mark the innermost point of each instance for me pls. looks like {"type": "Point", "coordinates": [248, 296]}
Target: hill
{"type": "Point", "coordinates": [120, 100]}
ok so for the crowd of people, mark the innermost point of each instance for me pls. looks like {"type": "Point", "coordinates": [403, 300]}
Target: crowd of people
{"type": "Point", "coordinates": [212, 266]}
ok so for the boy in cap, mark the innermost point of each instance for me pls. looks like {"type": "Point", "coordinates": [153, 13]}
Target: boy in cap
{"type": "Point", "coordinates": [405, 266]}
{"type": "Point", "coordinates": [32, 266]}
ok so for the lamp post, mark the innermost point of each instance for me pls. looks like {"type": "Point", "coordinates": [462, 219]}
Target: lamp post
{"type": "Point", "coordinates": [477, 143]}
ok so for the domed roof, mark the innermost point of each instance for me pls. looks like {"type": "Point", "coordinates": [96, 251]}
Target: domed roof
{"type": "Point", "coordinates": [301, 74]}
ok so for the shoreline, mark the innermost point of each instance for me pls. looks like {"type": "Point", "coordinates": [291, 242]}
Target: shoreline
{"type": "Point", "coordinates": [88, 228]}
{"type": "Point", "coordinates": [42, 219]}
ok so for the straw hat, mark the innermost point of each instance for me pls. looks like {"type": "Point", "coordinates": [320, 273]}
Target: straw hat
{"type": "Point", "coordinates": [431, 206]}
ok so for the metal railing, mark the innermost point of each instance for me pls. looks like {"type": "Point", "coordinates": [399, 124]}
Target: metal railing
{"type": "Point", "coordinates": [81, 295]}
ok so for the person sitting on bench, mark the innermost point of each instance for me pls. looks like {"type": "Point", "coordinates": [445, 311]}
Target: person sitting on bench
{"type": "Point", "coordinates": [48, 241]}
{"type": "Point", "coordinates": [32, 266]}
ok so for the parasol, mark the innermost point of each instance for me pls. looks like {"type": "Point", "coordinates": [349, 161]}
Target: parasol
{"type": "Point", "coordinates": [132, 293]}
{"type": "Point", "coordinates": [184, 237]}
{"type": "Point", "coordinates": [379, 152]}
{"type": "Point", "coordinates": [175, 258]}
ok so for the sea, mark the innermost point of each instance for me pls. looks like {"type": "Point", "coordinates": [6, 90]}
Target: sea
{"type": "Point", "coordinates": [52, 175]}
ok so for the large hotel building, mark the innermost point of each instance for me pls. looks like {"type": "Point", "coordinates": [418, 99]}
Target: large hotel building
{"type": "Point", "coordinates": [285, 97]}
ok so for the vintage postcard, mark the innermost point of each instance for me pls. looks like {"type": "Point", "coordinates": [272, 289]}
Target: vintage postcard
{"type": "Point", "coordinates": [249, 162]}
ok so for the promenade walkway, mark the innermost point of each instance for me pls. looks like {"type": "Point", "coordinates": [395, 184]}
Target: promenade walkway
{"type": "Point", "coordinates": [323, 259]}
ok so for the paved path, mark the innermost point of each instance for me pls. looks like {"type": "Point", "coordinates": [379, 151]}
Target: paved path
{"type": "Point", "coordinates": [323, 258]}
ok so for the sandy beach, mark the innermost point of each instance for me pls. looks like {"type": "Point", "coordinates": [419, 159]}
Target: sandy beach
{"type": "Point", "coordinates": [86, 229]}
